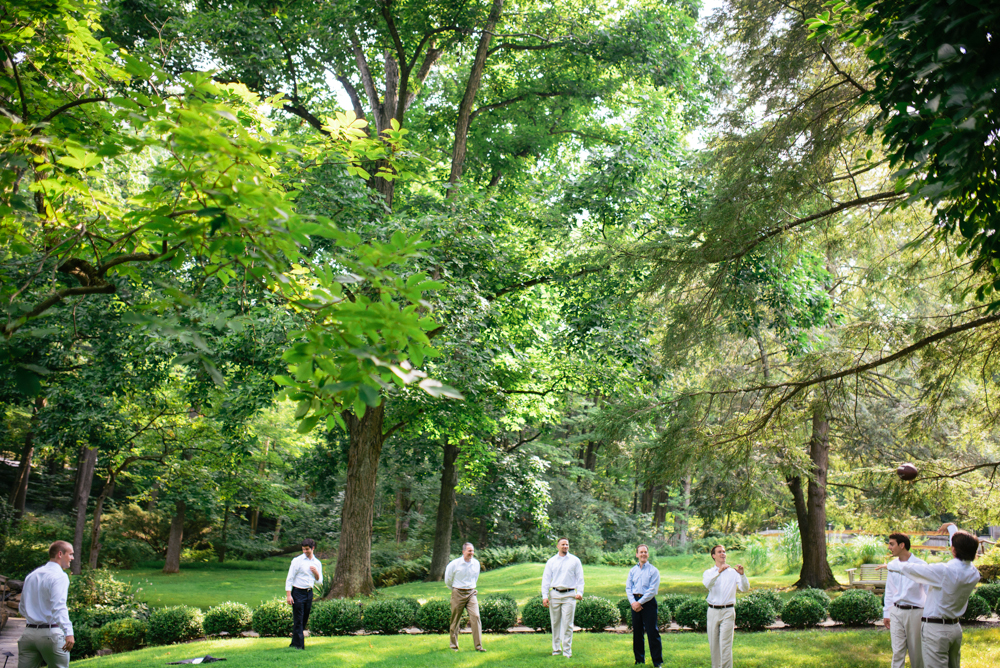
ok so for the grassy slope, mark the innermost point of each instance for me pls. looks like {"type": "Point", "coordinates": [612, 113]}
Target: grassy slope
{"type": "Point", "coordinates": [206, 585]}
{"type": "Point", "coordinates": [800, 649]}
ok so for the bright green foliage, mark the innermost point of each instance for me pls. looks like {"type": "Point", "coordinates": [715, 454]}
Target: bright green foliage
{"type": "Point", "coordinates": [817, 595]}
{"type": "Point", "coordinates": [337, 617]}
{"type": "Point", "coordinates": [435, 616]}
{"type": "Point", "coordinates": [803, 611]}
{"type": "Point", "coordinates": [692, 613]}
{"type": "Point", "coordinates": [855, 607]}
{"type": "Point", "coordinates": [535, 616]}
{"type": "Point", "coordinates": [977, 608]}
{"type": "Point", "coordinates": [273, 618]}
{"type": "Point", "coordinates": [389, 616]}
{"type": "Point", "coordinates": [175, 624]}
{"type": "Point", "coordinates": [123, 635]}
{"type": "Point", "coordinates": [754, 613]}
{"type": "Point", "coordinates": [625, 612]}
{"type": "Point", "coordinates": [497, 557]}
{"type": "Point", "coordinates": [991, 593]}
{"type": "Point", "coordinates": [498, 612]}
{"type": "Point", "coordinates": [595, 613]}
{"type": "Point", "coordinates": [86, 642]}
{"type": "Point", "coordinates": [668, 605]}
{"type": "Point", "coordinates": [771, 596]}
{"type": "Point", "coordinates": [229, 617]}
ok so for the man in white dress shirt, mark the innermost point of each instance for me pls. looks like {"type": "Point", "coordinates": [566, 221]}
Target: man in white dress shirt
{"type": "Point", "coordinates": [461, 576]}
{"type": "Point", "coordinates": [562, 587]}
{"type": "Point", "coordinates": [722, 581]}
{"type": "Point", "coordinates": [948, 589]}
{"type": "Point", "coordinates": [48, 633]}
{"type": "Point", "coordinates": [303, 572]}
{"type": "Point", "coordinates": [903, 606]}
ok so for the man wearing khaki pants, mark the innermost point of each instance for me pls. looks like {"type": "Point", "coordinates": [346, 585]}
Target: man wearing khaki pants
{"type": "Point", "coordinates": [904, 606]}
{"type": "Point", "coordinates": [722, 581]}
{"type": "Point", "coordinates": [562, 587]}
{"type": "Point", "coordinates": [48, 633]}
{"type": "Point", "coordinates": [461, 576]}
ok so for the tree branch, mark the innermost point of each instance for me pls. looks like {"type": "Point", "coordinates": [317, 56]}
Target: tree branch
{"type": "Point", "coordinates": [513, 100]}
{"type": "Point", "coordinates": [303, 113]}
{"type": "Point", "coordinates": [544, 279]}
{"type": "Point", "coordinates": [839, 71]}
{"type": "Point", "coordinates": [45, 305]}
{"type": "Point", "coordinates": [522, 442]}
{"type": "Point", "coordinates": [69, 105]}
{"type": "Point", "coordinates": [17, 80]}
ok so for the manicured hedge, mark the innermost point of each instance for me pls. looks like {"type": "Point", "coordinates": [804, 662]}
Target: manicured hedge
{"type": "Point", "coordinates": [173, 624]}
{"type": "Point", "coordinates": [625, 612]}
{"type": "Point", "coordinates": [435, 616]}
{"type": "Point", "coordinates": [990, 592]}
{"type": "Point", "coordinates": [229, 617]}
{"type": "Point", "coordinates": [668, 605]}
{"type": "Point", "coordinates": [389, 616]}
{"type": "Point", "coordinates": [693, 614]}
{"type": "Point", "coordinates": [122, 635]}
{"type": "Point", "coordinates": [594, 613]}
{"type": "Point", "coordinates": [497, 612]}
{"type": "Point", "coordinates": [817, 595]}
{"type": "Point", "coordinates": [754, 613]}
{"type": "Point", "coordinates": [978, 607]}
{"type": "Point", "coordinates": [338, 617]}
{"type": "Point", "coordinates": [535, 616]}
{"type": "Point", "coordinates": [856, 607]}
{"type": "Point", "coordinates": [802, 611]}
{"type": "Point", "coordinates": [273, 619]}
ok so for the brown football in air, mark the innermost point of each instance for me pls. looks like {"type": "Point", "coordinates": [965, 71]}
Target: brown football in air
{"type": "Point", "coordinates": [907, 471]}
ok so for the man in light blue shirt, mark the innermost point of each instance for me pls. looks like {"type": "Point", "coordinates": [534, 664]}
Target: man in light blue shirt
{"type": "Point", "coordinates": [641, 587]}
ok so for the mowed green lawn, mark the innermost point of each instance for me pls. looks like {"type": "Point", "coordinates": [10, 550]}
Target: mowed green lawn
{"type": "Point", "coordinates": [207, 585]}
{"type": "Point", "coordinates": [780, 649]}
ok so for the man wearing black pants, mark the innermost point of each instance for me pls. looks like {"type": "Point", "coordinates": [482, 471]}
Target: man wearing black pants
{"type": "Point", "coordinates": [304, 570]}
{"type": "Point", "coordinates": [641, 587]}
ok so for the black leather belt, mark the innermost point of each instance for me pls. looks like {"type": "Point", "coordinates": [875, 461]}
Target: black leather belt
{"type": "Point", "coordinates": [721, 607]}
{"type": "Point", "coordinates": [42, 626]}
{"type": "Point", "coordinates": [938, 620]}
{"type": "Point", "coordinates": [907, 607]}
{"type": "Point", "coordinates": [563, 591]}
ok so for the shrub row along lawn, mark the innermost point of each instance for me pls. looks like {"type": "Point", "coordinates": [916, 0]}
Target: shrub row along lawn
{"type": "Point", "coordinates": [770, 649]}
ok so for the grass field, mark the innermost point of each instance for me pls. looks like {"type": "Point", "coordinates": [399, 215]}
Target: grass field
{"type": "Point", "coordinates": [205, 585]}
{"type": "Point", "coordinates": [773, 649]}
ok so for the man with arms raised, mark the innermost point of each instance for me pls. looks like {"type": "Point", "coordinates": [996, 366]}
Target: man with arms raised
{"type": "Point", "coordinates": [562, 587]}
{"type": "Point", "coordinates": [904, 606]}
{"type": "Point", "coordinates": [304, 570]}
{"type": "Point", "coordinates": [641, 587]}
{"type": "Point", "coordinates": [48, 633]}
{"type": "Point", "coordinates": [948, 589]}
{"type": "Point", "coordinates": [722, 581]}
{"type": "Point", "coordinates": [461, 576]}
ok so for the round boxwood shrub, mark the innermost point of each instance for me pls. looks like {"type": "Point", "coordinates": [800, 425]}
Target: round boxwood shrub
{"type": "Point", "coordinates": [176, 623]}
{"type": "Point", "coordinates": [86, 642]}
{"type": "Point", "coordinates": [990, 592]}
{"type": "Point", "coordinates": [817, 595]}
{"type": "Point", "coordinates": [772, 597]}
{"type": "Point", "coordinates": [856, 607]}
{"type": "Point", "coordinates": [625, 612]}
{"type": "Point", "coordinates": [977, 607]}
{"type": "Point", "coordinates": [411, 603]}
{"type": "Point", "coordinates": [536, 616]}
{"type": "Point", "coordinates": [122, 635]}
{"type": "Point", "coordinates": [272, 619]}
{"type": "Point", "coordinates": [754, 613]}
{"type": "Point", "coordinates": [434, 616]}
{"type": "Point", "coordinates": [498, 612]}
{"type": "Point", "coordinates": [667, 607]}
{"type": "Point", "coordinates": [388, 616]}
{"type": "Point", "coordinates": [594, 613]}
{"type": "Point", "coordinates": [802, 611]}
{"type": "Point", "coordinates": [229, 617]}
{"type": "Point", "coordinates": [335, 618]}
{"type": "Point", "coordinates": [693, 613]}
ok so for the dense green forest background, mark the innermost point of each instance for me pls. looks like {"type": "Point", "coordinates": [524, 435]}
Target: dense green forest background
{"type": "Point", "coordinates": [398, 275]}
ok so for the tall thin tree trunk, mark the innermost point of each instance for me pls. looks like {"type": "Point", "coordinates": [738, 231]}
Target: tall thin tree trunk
{"type": "Point", "coordinates": [261, 468]}
{"type": "Point", "coordinates": [403, 504]}
{"type": "Point", "coordinates": [277, 531]}
{"type": "Point", "coordinates": [810, 508]}
{"type": "Point", "coordinates": [95, 528]}
{"type": "Point", "coordinates": [686, 499]}
{"type": "Point", "coordinates": [173, 564]}
{"type": "Point", "coordinates": [353, 574]}
{"type": "Point", "coordinates": [647, 498]}
{"type": "Point", "coordinates": [19, 494]}
{"type": "Point", "coordinates": [445, 514]}
{"type": "Point", "coordinates": [87, 462]}
{"type": "Point", "coordinates": [660, 515]}
{"type": "Point", "coordinates": [225, 531]}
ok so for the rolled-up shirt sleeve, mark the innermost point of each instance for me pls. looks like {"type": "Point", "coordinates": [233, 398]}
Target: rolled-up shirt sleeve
{"type": "Point", "coordinates": [60, 612]}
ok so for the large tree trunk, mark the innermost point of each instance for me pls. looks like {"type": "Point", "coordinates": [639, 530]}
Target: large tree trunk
{"type": "Point", "coordinates": [19, 494]}
{"type": "Point", "coordinates": [87, 462]}
{"type": "Point", "coordinates": [660, 508]}
{"type": "Point", "coordinates": [811, 508]}
{"type": "Point", "coordinates": [647, 498]}
{"type": "Point", "coordinates": [173, 564]}
{"type": "Point", "coordinates": [353, 575]}
{"type": "Point", "coordinates": [445, 514]}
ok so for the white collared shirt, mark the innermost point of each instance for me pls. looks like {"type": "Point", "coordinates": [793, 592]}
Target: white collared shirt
{"type": "Point", "coordinates": [300, 576]}
{"type": "Point", "coordinates": [43, 597]}
{"type": "Point", "coordinates": [903, 590]}
{"type": "Point", "coordinates": [462, 574]}
{"type": "Point", "coordinates": [722, 586]}
{"type": "Point", "coordinates": [948, 585]}
{"type": "Point", "coordinates": [563, 573]}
